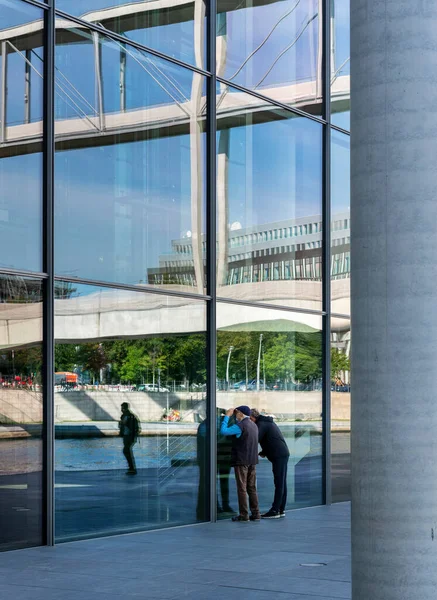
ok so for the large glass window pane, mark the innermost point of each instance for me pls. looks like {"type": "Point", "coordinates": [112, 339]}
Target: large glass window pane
{"type": "Point", "coordinates": [21, 101]}
{"type": "Point", "coordinates": [340, 223]}
{"type": "Point", "coordinates": [21, 413]}
{"type": "Point", "coordinates": [269, 197]}
{"type": "Point", "coordinates": [340, 409]}
{"type": "Point", "coordinates": [173, 28]}
{"type": "Point", "coordinates": [146, 350]}
{"type": "Point", "coordinates": [340, 63]}
{"type": "Point", "coordinates": [273, 48]}
{"type": "Point", "coordinates": [129, 196]}
{"type": "Point", "coordinates": [271, 360]}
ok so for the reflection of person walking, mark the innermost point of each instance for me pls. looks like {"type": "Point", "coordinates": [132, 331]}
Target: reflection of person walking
{"type": "Point", "coordinates": [274, 447]}
{"type": "Point", "coordinates": [244, 460]}
{"type": "Point", "coordinates": [129, 430]}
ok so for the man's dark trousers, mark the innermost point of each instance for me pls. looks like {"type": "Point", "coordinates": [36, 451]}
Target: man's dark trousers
{"type": "Point", "coordinates": [128, 444]}
{"type": "Point", "coordinates": [279, 468]}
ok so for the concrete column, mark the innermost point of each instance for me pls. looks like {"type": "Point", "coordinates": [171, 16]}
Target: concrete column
{"type": "Point", "coordinates": [394, 299]}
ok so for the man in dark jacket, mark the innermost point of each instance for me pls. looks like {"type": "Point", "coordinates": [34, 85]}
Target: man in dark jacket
{"type": "Point", "coordinates": [274, 447]}
{"type": "Point", "coordinates": [129, 427]}
{"type": "Point", "coordinates": [244, 458]}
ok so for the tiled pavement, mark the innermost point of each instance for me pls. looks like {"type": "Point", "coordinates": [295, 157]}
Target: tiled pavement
{"type": "Point", "coordinates": [223, 561]}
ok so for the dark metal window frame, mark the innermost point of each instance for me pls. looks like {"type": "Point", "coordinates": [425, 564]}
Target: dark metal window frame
{"type": "Point", "coordinates": [48, 275]}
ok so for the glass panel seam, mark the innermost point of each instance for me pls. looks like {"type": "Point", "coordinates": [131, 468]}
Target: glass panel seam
{"type": "Point", "coordinates": [134, 288]}
{"type": "Point", "coordinates": [42, 5]}
{"type": "Point", "coordinates": [272, 101]}
{"type": "Point", "coordinates": [339, 129]}
{"type": "Point", "coordinates": [267, 305]}
{"type": "Point", "coordinates": [23, 273]}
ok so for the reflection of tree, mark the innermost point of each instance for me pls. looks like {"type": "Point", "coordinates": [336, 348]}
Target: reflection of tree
{"type": "Point", "coordinates": [19, 290]}
{"type": "Point", "coordinates": [25, 363]}
{"type": "Point", "coordinates": [65, 357]}
{"type": "Point", "coordinates": [92, 358]}
{"type": "Point", "coordinates": [64, 290]}
{"type": "Point", "coordinates": [287, 356]}
{"type": "Point", "coordinates": [339, 363]}
{"type": "Point", "coordinates": [293, 356]}
{"type": "Point", "coordinates": [175, 358]}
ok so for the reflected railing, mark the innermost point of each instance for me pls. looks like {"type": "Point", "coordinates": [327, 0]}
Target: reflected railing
{"type": "Point", "coordinates": [22, 40]}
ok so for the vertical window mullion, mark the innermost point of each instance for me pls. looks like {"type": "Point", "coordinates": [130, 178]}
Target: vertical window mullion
{"type": "Point", "coordinates": [48, 262]}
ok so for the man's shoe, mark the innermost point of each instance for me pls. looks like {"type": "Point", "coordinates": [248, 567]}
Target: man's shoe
{"type": "Point", "coordinates": [255, 518]}
{"type": "Point", "coordinates": [131, 472]}
{"type": "Point", "coordinates": [240, 519]}
{"type": "Point", "coordinates": [282, 513]}
{"type": "Point", "coordinates": [271, 514]}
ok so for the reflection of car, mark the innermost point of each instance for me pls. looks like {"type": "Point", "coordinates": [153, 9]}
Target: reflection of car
{"type": "Point", "coordinates": [240, 386]}
{"type": "Point", "coordinates": [151, 387]}
{"type": "Point", "coordinates": [251, 386]}
{"type": "Point", "coordinates": [340, 388]}
{"type": "Point", "coordinates": [198, 386]}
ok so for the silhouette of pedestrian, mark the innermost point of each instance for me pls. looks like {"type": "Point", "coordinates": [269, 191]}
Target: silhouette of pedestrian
{"type": "Point", "coordinates": [129, 426]}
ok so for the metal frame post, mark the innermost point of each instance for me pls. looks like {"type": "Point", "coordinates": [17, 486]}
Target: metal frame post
{"type": "Point", "coordinates": [211, 259]}
{"type": "Point", "coordinates": [48, 262]}
{"type": "Point", "coordinates": [98, 76]}
{"type": "Point", "coordinates": [122, 78]}
{"type": "Point", "coordinates": [27, 87]}
{"type": "Point", "coordinates": [4, 94]}
{"type": "Point", "coordinates": [326, 402]}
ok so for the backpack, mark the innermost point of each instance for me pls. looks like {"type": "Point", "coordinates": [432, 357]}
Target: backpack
{"type": "Point", "coordinates": [134, 425]}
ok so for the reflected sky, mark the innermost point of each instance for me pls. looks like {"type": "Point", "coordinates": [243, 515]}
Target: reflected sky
{"type": "Point", "coordinates": [341, 59]}
{"type": "Point", "coordinates": [340, 172]}
{"type": "Point", "coordinates": [120, 207]}
{"type": "Point", "coordinates": [276, 43]}
{"type": "Point", "coordinates": [274, 171]}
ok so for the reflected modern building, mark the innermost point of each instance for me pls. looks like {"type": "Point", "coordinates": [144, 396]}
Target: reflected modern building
{"type": "Point", "coordinates": [175, 234]}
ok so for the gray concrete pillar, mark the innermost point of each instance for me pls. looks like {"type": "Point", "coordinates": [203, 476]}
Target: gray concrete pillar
{"type": "Point", "coordinates": [394, 299]}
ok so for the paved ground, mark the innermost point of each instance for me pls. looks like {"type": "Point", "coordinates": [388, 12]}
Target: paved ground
{"type": "Point", "coordinates": [223, 561]}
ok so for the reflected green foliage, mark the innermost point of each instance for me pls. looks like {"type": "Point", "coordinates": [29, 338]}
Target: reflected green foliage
{"type": "Point", "coordinates": [339, 362]}
{"type": "Point", "coordinates": [24, 364]}
{"type": "Point", "coordinates": [65, 357]}
{"type": "Point", "coordinates": [285, 356]}
{"type": "Point", "coordinates": [292, 356]}
{"type": "Point", "coordinates": [176, 358]}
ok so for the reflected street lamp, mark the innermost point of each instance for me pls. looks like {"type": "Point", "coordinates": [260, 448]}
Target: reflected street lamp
{"type": "Point", "coordinates": [227, 366]}
{"type": "Point", "coordinates": [259, 361]}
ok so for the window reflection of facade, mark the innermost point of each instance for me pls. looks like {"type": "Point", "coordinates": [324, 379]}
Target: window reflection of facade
{"type": "Point", "coordinates": [134, 242]}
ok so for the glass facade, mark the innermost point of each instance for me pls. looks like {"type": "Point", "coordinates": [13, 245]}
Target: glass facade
{"type": "Point", "coordinates": [22, 76]}
{"type": "Point", "coordinates": [107, 353]}
{"type": "Point", "coordinates": [174, 242]}
{"type": "Point", "coordinates": [269, 204]}
{"type": "Point", "coordinates": [340, 408]}
{"type": "Point", "coordinates": [21, 412]}
{"type": "Point", "coordinates": [273, 358]}
{"type": "Point", "coordinates": [340, 223]}
{"type": "Point", "coordinates": [340, 63]}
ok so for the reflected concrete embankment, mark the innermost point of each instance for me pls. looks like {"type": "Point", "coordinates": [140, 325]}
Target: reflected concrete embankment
{"type": "Point", "coordinates": [96, 413]}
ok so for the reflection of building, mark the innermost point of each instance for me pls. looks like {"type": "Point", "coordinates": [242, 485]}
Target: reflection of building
{"type": "Point", "coordinates": [286, 250]}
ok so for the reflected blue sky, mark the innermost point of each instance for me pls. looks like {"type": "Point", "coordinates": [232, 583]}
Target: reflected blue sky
{"type": "Point", "coordinates": [118, 207]}
{"type": "Point", "coordinates": [275, 171]}
{"type": "Point", "coordinates": [340, 172]}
